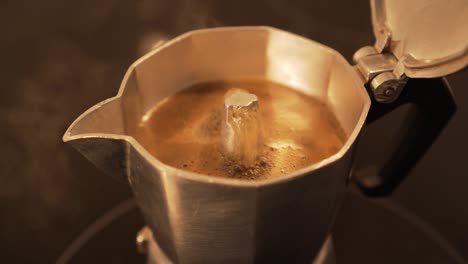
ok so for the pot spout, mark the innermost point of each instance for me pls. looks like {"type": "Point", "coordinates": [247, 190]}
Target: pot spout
{"type": "Point", "coordinates": [99, 134]}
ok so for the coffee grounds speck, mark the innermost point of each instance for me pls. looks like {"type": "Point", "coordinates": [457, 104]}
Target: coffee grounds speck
{"type": "Point", "coordinates": [237, 170]}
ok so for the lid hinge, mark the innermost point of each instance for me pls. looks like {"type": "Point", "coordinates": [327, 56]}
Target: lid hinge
{"type": "Point", "coordinates": [382, 72]}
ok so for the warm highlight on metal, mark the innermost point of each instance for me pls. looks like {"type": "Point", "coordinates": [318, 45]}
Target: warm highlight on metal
{"type": "Point", "coordinates": [197, 218]}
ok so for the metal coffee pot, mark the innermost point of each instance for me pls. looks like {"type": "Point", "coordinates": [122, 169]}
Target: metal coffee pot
{"type": "Point", "coordinates": [200, 219]}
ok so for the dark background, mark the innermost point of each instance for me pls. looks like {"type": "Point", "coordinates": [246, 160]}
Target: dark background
{"type": "Point", "coordinates": [61, 57]}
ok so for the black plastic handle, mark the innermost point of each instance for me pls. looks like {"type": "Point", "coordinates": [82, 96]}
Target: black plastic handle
{"type": "Point", "coordinates": [435, 106]}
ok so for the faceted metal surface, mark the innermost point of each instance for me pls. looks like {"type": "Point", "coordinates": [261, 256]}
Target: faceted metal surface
{"type": "Point", "coordinates": [201, 219]}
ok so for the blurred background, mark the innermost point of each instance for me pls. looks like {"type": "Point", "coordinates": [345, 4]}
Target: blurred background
{"type": "Point", "coordinates": [61, 57]}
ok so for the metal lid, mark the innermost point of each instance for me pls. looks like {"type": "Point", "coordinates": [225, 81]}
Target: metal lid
{"type": "Point", "coordinates": [429, 38]}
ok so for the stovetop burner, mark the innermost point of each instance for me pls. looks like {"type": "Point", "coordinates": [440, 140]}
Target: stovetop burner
{"type": "Point", "coordinates": [365, 232]}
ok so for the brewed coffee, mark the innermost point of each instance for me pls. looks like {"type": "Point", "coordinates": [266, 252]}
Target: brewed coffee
{"type": "Point", "coordinates": [186, 130]}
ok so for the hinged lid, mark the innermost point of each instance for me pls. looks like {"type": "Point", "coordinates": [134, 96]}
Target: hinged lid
{"type": "Point", "coordinates": [428, 37]}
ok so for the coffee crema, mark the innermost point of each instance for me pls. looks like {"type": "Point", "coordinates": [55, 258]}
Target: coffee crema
{"type": "Point", "coordinates": [186, 130]}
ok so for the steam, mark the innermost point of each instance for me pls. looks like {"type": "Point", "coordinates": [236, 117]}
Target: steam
{"type": "Point", "coordinates": [187, 15]}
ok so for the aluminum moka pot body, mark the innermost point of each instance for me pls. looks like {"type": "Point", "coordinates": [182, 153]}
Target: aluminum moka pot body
{"type": "Point", "coordinates": [201, 219]}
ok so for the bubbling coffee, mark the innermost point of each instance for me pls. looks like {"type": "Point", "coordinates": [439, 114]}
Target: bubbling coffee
{"type": "Point", "coordinates": [246, 129]}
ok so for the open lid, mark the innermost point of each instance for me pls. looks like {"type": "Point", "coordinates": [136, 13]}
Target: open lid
{"type": "Point", "coordinates": [428, 37]}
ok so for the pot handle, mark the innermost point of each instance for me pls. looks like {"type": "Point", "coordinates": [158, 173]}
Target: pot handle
{"type": "Point", "coordinates": [435, 106]}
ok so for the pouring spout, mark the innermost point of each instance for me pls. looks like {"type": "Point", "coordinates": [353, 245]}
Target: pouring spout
{"type": "Point", "coordinates": [103, 118]}
{"type": "Point", "coordinates": [99, 134]}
